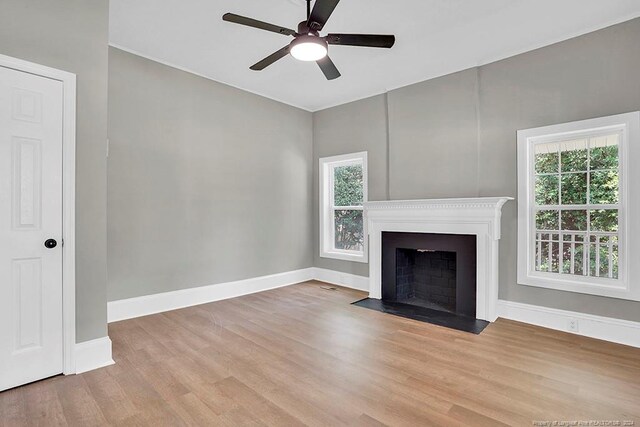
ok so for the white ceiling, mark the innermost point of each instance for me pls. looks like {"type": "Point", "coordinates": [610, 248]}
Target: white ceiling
{"type": "Point", "coordinates": [433, 38]}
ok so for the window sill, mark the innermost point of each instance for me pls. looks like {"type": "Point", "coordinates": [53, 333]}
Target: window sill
{"type": "Point", "coordinates": [613, 288]}
{"type": "Point", "coordinates": [362, 257]}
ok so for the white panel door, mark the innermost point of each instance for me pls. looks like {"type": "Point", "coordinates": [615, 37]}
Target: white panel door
{"type": "Point", "coordinates": [31, 338]}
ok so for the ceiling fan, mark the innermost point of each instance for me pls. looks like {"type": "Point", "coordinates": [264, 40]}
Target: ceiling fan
{"type": "Point", "coordinates": [307, 44]}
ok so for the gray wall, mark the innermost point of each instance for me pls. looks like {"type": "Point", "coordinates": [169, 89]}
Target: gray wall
{"type": "Point", "coordinates": [71, 35]}
{"type": "Point", "coordinates": [433, 138]}
{"type": "Point", "coordinates": [207, 183]}
{"type": "Point", "coordinates": [455, 136]}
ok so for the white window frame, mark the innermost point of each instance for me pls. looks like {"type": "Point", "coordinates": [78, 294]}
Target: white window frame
{"type": "Point", "coordinates": [628, 126]}
{"type": "Point", "coordinates": [327, 229]}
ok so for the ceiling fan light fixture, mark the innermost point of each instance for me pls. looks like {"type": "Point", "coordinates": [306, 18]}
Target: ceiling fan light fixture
{"type": "Point", "coordinates": [308, 48]}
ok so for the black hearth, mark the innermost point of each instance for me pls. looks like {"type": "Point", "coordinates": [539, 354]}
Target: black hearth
{"type": "Point", "coordinates": [429, 277]}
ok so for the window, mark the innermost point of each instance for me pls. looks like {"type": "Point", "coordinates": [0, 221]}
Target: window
{"type": "Point", "coordinates": [343, 190]}
{"type": "Point", "coordinates": [572, 199]}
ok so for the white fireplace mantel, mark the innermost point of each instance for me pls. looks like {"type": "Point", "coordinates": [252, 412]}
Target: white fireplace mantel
{"type": "Point", "coordinates": [478, 216]}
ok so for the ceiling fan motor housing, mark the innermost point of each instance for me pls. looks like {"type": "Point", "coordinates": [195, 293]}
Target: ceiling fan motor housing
{"type": "Point", "coordinates": [303, 28]}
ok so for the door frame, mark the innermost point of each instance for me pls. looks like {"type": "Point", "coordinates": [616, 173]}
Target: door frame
{"type": "Point", "coordinates": [68, 198]}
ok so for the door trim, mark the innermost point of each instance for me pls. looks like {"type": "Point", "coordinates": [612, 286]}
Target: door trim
{"type": "Point", "coordinates": [68, 198]}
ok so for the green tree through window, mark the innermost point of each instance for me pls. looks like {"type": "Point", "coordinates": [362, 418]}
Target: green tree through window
{"type": "Point", "coordinates": [576, 199]}
{"type": "Point", "coordinates": [348, 194]}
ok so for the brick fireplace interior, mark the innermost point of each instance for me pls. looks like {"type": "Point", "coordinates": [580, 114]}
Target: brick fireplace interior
{"type": "Point", "coordinates": [433, 271]}
{"type": "Point", "coordinates": [426, 278]}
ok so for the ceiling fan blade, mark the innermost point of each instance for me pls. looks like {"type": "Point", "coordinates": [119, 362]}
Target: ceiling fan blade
{"type": "Point", "coordinates": [249, 22]}
{"type": "Point", "coordinates": [320, 14]}
{"type": "Point", "coordinates": [279, 54]}
{"type": "Point", "coordinates": [328, 68]}
{"type": "Point", "coordinates": [366, 40]}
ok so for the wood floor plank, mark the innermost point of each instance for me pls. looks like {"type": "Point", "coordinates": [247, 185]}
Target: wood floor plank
{"type": "Point", "coordinates": [192, 410]}
{"type": "Point", "coordinates": [78, 404]}
{"type": "Point", "coordinates": [44, 406]}
{"type": "Point", "coordinates": [303, 355]}
{"type": "Point", "coordinates": [110, 396]}
{"type": "Point", "coordinates": [256, 404]}
{"type": "Point", "coordinates": [365, 420]}
{"type": "Point", "coordinates": [13, 407]}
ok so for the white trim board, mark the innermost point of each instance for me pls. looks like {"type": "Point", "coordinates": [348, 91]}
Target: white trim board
{"type": "Point", "coordinates": [68, 199]}
{"type": "Point", "coordinates": [93, 354]}
{"type": "Point", "coordinates": [604, 328]}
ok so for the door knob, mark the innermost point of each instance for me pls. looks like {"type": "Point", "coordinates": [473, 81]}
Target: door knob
{"type": "Point", "coordinates": [50, 243]}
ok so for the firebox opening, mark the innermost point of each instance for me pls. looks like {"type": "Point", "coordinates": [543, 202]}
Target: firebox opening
{"type": "Point", "coordinates": [426, 278]}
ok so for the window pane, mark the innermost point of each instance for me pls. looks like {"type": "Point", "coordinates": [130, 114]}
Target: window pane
{"type": "Point", "coordinates": [547, 190]}
{"type": "Point", "coordinates": [574, 188]}
{"type": "Point", "coordinates": [547, 256]}
{"type": "Point", "coordinates": [603, 259]}
{"type": "Point", "coordinates": [566, 258]}
{"type": "Point", "coordinates": [573, 157]}
{"type": "Point", "coordinates": [555, 257]}
{"type": "Point", "coordinates": [573, 253]}
{"type": "Point", "coordinates": [592, 260]}
{"type": "Point", "coordinates": [603, 270]}
{"type": "Point", "coordinates": [574, 220]}
{"type": "Point", "coordinates": [547, 163]}
{"type": "Point", "coordinates": [542, 253]}
{"type": "Point", "coordinates": [578, 260]}
{"type": "Point", "coordinates": [614, 258]}
{"type": "Point", "coordinates": [604, 220]}
{"type": "Point", "coordinates": [604, 187]}
{"type": "Point", "coordinates": [349, 234]}
{"type": "Point", "coordinates": [547, 158]}
{"type": "Point", "coordinates": [569, 249]}
{"type": "Point", "coordinates": [547, 220]}
{"type": "Point", "coordinates": [348, 185]}
{"type": "Point", "coordinates": [604, 152]}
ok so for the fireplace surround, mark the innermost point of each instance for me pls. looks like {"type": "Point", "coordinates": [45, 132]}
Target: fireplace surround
{"type": "Point", "coordinates": [476, 217]}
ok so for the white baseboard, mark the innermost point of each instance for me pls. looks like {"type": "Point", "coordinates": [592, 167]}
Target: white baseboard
{"type": "Point", "coordinates": [157, 303]}
{"type": "Point", "coordinates": [93, 354]}
{"type": "Point", "coordinates": [347, 280]}
{"type": "Point", "coordinates": [604, 328]}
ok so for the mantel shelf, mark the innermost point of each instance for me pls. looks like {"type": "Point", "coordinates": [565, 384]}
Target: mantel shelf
{"type": "Point", "coordinates": [453, 203]}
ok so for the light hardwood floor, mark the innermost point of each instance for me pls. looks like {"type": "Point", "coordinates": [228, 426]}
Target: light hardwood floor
{"type": "Point", "coordinates": [303, 355]}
